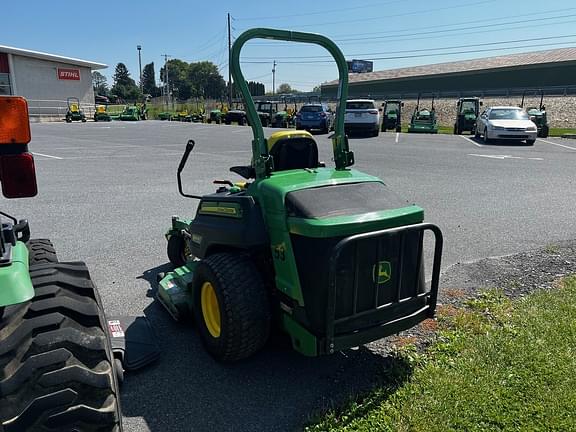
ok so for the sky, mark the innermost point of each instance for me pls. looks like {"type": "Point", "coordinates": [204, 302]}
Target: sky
{"type": "Point", "coordinates": [394, 33]}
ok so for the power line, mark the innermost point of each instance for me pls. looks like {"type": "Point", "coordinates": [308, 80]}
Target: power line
{"type": "Point", "coordinates": [422, 49]}
{"type": "Point", "coordinates": [324, 12]}
{"type": "Point", "coordinates": [420, 55]}
{"type": "Point", "coordinates": [402, 37]}
{"type": "Point", "coordinates": [380, 18]}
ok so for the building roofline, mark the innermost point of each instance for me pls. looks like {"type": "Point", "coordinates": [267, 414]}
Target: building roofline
{"type": "Point", "coordinates": [525, 60]}
{"type": "Point", "coordinates": [52, 57]}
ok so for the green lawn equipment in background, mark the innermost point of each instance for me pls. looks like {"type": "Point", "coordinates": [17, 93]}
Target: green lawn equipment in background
{"type": "Point", "coordinates": [101, 114]}
{"type": "Point", "coordinates": [74, 113]}
{"type": "Point", "coordinates": [467, 111]}
{"type": "Point", "coordinates": [331, 256]}
{"type": "Point", "coordinates": [392, 115]}
{"type": "Point", "coordinates": [285, 117]}
{"type": "Point", "coordinates": [131, 113]}
{"type": "Point", "coordinates": [538, 116]}
{"type": "Point", "coordinates": [165, 115]}
{"type": "Point", "coordinates": [266, 111]}
{"type": "Point", "coordinates": [236, 114]}
{"type": "Point", "coordinates": [217, 115]}
{"type": "Point", "coordinates": [424, 120]}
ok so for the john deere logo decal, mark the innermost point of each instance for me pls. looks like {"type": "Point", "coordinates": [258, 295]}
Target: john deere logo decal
{"type": "Point", "coordinates": [382, 272]}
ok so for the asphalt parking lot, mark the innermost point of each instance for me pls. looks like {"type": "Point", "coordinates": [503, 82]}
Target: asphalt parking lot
{"type": "Point", "coordinates": [107, 192]}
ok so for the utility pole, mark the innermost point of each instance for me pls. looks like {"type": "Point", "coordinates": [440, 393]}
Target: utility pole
{"type": "Point", "coordinates": [139, 48]}
{"type": "Point", "coordinates": [229, 63]}
{"type": "Point", "coordinates": [274, 78]}
{"type": "Point", "coordinates": [166, 82]}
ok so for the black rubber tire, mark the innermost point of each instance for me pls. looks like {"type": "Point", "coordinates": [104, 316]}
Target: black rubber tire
{"type": "Point", "coordinates": [398, 128]}
{"type": "Point", "coordinates": [56, 361]}
{"type": "Point", "coordinates": [456, 131]}
{"type": "Point", "coordinates": [544, 132]}
{"type": "Point", "coordinates": [41, 251]}
{"type": "Point", "coordinates": [243, 302]}
{"type": "Point", "coordinates": [176, 250]}
{"type": "Point", "coordinates": [485, 137]}
{"type": "Point", "coordinates": [530, 142]}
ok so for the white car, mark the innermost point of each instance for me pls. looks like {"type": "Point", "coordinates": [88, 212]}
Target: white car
{"type": "Point", "coordinates": [362, 115]}
{"type": "Point", "coordinates": [505, 123]}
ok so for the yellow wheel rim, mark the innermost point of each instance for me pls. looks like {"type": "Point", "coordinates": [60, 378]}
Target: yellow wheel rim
{"type": "Point", "coordinates": [210, 309]}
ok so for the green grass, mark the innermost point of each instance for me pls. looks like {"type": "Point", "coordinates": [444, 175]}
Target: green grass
{"type": "Point", "coordinates": [497, 366]}
{"type": "Point", "coordinates": [562, 131]}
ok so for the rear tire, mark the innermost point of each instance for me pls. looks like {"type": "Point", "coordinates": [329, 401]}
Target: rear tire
{"type": "Point", "coordinates": [178, 251]}
{"type": "Point", "coordinates": [56, 362]}
{"type": "Point", "coordinates": [232, 307]}
{"type": "Point", "coordinates": [398, 128]}
{"type": "Point", "coordinates": [41, 251]}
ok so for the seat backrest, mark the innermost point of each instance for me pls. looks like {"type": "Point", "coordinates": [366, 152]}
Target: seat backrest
{"type": "Point", "coordinates": [294, 153]}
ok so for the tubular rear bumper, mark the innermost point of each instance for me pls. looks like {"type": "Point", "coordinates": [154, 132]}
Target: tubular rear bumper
{"type": "Point", "coordinates": [383, 320]}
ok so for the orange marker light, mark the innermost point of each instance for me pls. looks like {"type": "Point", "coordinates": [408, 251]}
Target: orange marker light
{"type": "Point", "coordinates": [14, 122]}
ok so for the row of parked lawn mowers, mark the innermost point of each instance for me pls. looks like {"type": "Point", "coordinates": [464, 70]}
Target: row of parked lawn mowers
{"type": "Point", "coordinates": [424, 119]}
{"type": "Point", "coordinates": [105, 112]}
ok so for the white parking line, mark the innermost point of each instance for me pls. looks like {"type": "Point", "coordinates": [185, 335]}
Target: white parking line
{"type": "Point", "coordinates": [556, 144]}
{"type": "Point", "coordinates": [45, 155]}
{"type": "Point", "coordinates": [470, 140]}
{"type": "Point", "coordinates": [397, 136]}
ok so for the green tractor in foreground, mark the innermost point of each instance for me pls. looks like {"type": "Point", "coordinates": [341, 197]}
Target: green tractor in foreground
{"type": "Point", "coordinates": [392, 115]}
{"type": "Point", "coordinates": [57, 367]}
{"type": "Point", "coordinates": [538, 116]}
{"type": "Point", "coordinates": [331, 256]}
{"type": "Point", "coordinates": [467, 111]}
{"type": "Point", "coordinates": [423, 120]}
{"type": "Point", "coordinates": [74, 113]}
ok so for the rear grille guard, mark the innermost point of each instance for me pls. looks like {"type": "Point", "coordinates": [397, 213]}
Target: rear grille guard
{"type": "Point", "coordinates": [342, 245]}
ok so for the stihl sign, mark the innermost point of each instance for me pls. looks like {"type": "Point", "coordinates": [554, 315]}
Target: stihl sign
{"type": "Point", "coordinates": [69, 74]}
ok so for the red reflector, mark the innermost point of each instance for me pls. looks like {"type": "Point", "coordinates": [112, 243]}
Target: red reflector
{"type": "Point", "coordinates": [14, 123]}
{"type": "Point", "coordinates": [18, 175]}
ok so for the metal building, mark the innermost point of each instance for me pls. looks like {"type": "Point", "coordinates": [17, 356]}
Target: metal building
{"type": "Point", "coordinates": [46, 81]}
{"type": "Point", "coordinates": [552, 70]}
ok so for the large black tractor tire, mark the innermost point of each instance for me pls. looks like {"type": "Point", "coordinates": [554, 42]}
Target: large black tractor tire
{"type": "Point", "coordinates": [41, 251]}
{"type": "Point", "coordinates": [231, 306]}
{"type": "Point", "coordinates": [398, 128]}
{"type": "Point", "coordinates": [177, 250]}
{"type": "Point", "coordinates": [544, 132]}
{"type": "Point", "coordinates": [56, 361]}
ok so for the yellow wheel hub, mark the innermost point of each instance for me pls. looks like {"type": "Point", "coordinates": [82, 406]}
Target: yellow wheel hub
{"type": "Point", "coordinates": [210, 309]}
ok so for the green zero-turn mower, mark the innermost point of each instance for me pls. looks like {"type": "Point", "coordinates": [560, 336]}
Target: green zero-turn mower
{"type": "Point", "coordinates": [424, 120]}
{"type": "Point", "coordinates": [331, 256]}
{"type": "Point", "coordinates": [101, 114]}
{"type": "Point", "coordinates": [467, 111]}
{"type": "Point", "coordinates": [538, 116]}
{"type": "Point", "coordinates": [61, 358]}
{"type": "Point", "coordinates": [74, 113]}
{"type": "Point", "coordinates": [131, 113]}
{"type": "Point", "coordinates": [392, 115]}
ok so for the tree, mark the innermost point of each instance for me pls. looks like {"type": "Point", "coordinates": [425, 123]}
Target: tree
{"type": "Point", "coordinates": [256, 88]}
{"type": "Point", "coordinates": [284, 88]}
{"type": "Point", "coordinates": [177, 78]}
{"type": "Point", "coordinates": [205, 80]}
{"type": "Point", "coordinates": [99, 83]}
{"type": "Point", "coordinates": [124, 86]}
{"type": "Point", "coordinates": [149, 80]}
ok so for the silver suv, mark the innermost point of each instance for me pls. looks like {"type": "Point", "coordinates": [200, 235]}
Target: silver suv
{"type": "Point", "coordinates": [362, 115]}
